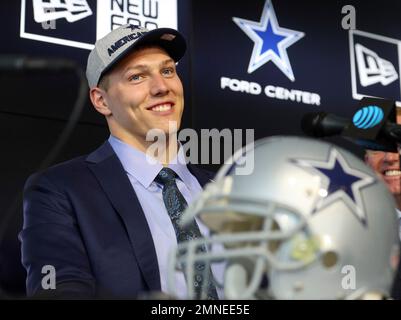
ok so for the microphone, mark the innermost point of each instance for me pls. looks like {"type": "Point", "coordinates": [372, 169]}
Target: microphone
{"type": "Point", "coordinates": [393, 131]}
{"type": "Point", "coordinates": [13, 63]}
{"type": "Point", "coordinates": [323, 124]}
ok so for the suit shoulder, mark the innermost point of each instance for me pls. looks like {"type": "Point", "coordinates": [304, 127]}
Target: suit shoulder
{"type": "Point", "coordinates": [208, 173]}
{"type": "Point", "coordinates": [199, 171]}
{"type": "Point", "coordinates": [63, 171]}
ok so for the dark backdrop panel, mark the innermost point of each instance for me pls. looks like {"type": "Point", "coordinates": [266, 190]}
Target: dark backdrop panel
{"type": "Point", "coordinates": [23, 152]}
{"type": "Point", "coordinates": [320, 61]}
{"type": "Point", "coordinates": [40, 94]}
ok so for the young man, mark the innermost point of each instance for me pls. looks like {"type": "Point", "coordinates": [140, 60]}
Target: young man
{"type": "Point", "coordinates": [103, 224]}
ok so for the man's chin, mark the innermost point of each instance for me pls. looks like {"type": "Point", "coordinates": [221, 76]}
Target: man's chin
{"type": "Point", "coordinates": [395, 187]}
{"type": "Point", "coordinates": [169, 127]}
{"type": "Point", "coordinates": [396, 193]}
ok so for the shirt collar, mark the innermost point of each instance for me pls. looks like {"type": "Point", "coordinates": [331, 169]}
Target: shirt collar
{"type": "Point", "coordinates": [136, 164]}
{"type": "Point", "coordinates": [178, 165]}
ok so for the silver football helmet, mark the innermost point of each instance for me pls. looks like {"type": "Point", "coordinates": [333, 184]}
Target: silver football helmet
{"type": "Point", "coordinates": [309, 221]}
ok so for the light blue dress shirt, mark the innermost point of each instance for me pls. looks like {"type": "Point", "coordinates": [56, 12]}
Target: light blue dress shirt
{"type": "Point", "coordinates": [142, 174]}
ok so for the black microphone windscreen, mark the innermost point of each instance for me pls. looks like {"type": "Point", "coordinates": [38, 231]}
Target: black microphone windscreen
{"type": "Point", "coordinates": [310, 123]}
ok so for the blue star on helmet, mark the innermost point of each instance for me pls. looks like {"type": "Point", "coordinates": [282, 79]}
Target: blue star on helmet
{"type": "Point", "coordinates": [270, 41]}
{"type": "Point", "coordinates": [340, 182]}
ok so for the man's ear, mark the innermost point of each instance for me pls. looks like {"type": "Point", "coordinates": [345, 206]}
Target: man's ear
{"type": "Point", "coordinates": [99, 102]}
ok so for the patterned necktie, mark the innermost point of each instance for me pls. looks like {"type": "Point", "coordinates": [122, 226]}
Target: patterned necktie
{"type": "Point", "coordinates": [175, 204]}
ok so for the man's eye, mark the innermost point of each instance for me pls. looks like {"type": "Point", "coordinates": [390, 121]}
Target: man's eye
{"type": "Point", "coordinates": [135, 77]}
{"type": "Point", "coordinates": [168, 71]}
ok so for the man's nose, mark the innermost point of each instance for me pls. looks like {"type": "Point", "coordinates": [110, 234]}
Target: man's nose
{"type": "Point", "coordinates": [158, 86]}
{"type": "Point", "coordinates": [391, 156]}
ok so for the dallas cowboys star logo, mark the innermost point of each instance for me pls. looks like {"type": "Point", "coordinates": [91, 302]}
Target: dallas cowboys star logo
{"type": "Point", "coordinates": [270, 41]}
{"type": "Point", "coordinates": [132, 27]}
{"type": "Point", "coordinates": [341, 181]}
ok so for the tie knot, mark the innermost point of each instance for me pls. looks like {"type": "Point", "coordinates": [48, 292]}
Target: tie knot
{"type": "Point", "coordinates": [166, 175]}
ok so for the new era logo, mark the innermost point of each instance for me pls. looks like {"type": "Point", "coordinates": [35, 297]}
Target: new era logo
{"type": "Point", "coordinates": [81, 22]}
{"type": "Point", "coordinates": [71, 10]}
{"type": "Point", "coordinates": [373, 69]}
{"type": "Point", "coordinates": [375, 66]}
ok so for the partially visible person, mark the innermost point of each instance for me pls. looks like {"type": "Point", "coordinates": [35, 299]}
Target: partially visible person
{"type": "Point", "coordinates": [387, 167]}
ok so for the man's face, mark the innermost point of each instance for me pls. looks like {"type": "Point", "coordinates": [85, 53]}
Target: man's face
{"type": "Point", "coordinates": [144, 92]}
{"type": "Point", "coordinates": [387, 167]}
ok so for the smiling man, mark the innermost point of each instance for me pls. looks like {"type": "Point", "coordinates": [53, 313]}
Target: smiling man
{"type": "Point", "coordinates": [387, 167]}
{"type": "Point", "coordinates": [103, 224]}
{"type": "Point", "coordinates": [143, 89]}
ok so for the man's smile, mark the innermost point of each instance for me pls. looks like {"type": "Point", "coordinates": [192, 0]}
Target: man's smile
{"type": "Point", "coordinates": [392, 173]}
{"type": "Point", "coordinates": [164, 108]}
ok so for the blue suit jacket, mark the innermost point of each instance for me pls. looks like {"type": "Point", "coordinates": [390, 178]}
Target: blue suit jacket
{"type": "Point", "coordinates": [83, 218]}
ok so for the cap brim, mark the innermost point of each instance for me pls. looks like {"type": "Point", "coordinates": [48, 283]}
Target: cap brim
{"type": "Point", "coordinates": [169, 39]}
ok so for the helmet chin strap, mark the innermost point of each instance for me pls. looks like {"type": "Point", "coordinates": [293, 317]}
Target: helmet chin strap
{"type": "Point", "coordinates": [236, 279]}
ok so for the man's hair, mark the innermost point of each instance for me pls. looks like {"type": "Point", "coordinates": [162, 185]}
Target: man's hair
{"type": "Point", "coordinates": [104, 82]}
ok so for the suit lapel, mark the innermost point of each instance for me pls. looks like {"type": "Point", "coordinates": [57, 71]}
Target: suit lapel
{"type": "Point", "coordinates": [107, 168]}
